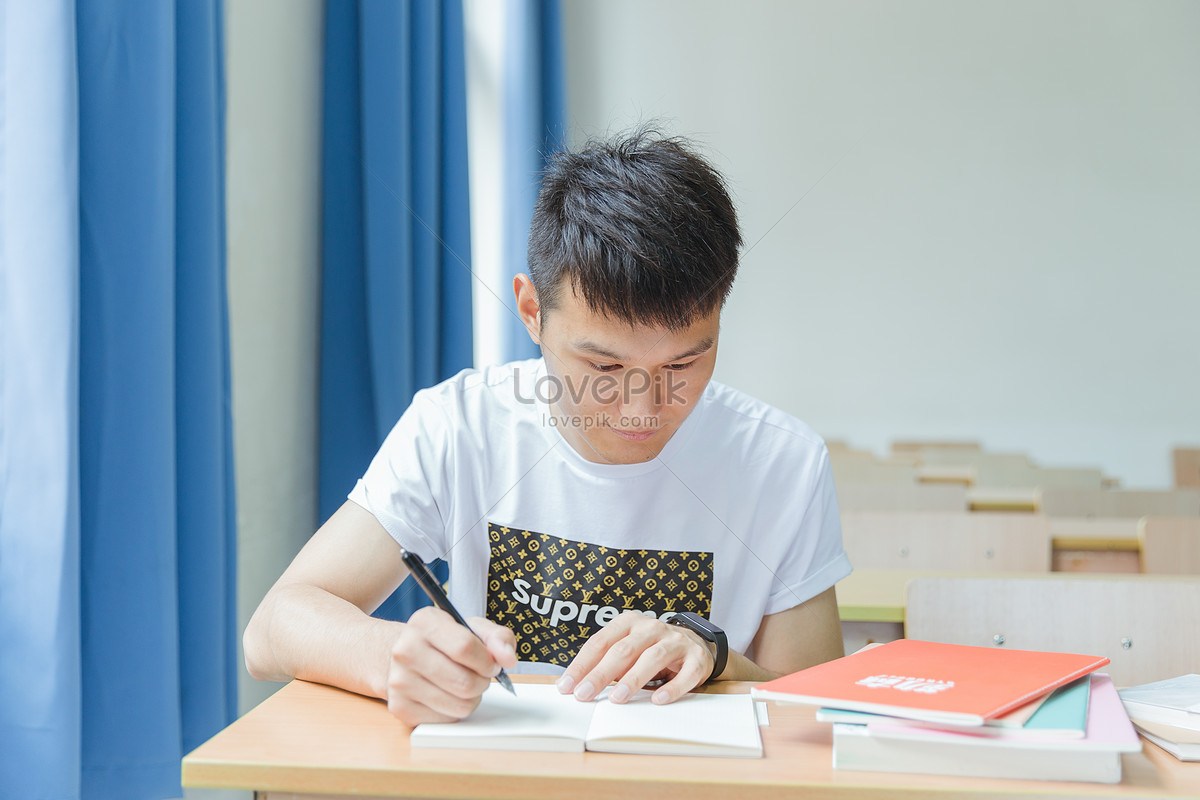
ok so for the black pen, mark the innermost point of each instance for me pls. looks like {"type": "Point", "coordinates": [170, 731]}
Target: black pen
{"type": "Point", "coordinates": [429, 583]}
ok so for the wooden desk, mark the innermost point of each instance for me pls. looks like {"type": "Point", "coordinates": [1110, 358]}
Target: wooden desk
{"type": "Point", "coordinates": [310, 740]}
{"type": "Point", "coordinates": [871, 606]}
{"type": "Point", "coordinates": [875, 595]}
{"type": "Point", "coordinates": [871, 601]}
{"type": "Point", "coordinates": [992, 498]}
{"type": "Point", "coordinates": [946, 473]}
{"type": "Point", "coordinates": [878, 595]}
{"type": "Point", "coordinates": [1084, 544]}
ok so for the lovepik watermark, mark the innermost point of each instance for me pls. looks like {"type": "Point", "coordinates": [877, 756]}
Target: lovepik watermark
{"type": "Point", "coordinates": [602, 389]}
{"type": "Point", "coordinates": [586, 423]}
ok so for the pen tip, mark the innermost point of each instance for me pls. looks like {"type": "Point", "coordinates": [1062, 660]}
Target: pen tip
{"type": "Point", "coordinates": [503, 679]}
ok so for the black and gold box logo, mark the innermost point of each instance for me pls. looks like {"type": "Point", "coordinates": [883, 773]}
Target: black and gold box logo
{"type": "Point", "coordinates": [554, 593]}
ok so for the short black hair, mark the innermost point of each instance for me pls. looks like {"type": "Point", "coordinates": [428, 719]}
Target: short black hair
{"type": "Point", "coordinates": [639, 226]}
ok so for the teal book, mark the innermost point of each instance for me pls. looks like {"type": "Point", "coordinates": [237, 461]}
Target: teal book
{"type": "Point", "coordinates": [1064, 713]}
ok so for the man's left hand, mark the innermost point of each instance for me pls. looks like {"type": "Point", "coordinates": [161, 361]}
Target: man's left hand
{"type": "Point", "coordinates": [633, 650]}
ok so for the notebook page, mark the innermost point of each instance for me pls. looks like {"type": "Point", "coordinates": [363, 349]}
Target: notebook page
{"type": "Point", "coordinates": [538, 718]}
{"type": "Point", "coordinates": [696, 724]}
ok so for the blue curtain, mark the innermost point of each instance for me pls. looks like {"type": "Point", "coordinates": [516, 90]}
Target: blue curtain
{"type": "Point", "coordinates": [534, 127]}
{"type": "Point", "coordinates": [117, 523]}
{"type": "Point", "coordinates": [396, 285]}
{"type": "Point", "coordinates": [39, 409]}
{"type": "Point", "coordinates": [156, 496]}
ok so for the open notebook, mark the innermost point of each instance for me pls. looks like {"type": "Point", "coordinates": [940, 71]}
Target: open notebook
{"type": "Point", "coordinates": [539, 718]}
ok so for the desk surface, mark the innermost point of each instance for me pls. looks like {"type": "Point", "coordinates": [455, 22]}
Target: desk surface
{"type": "Point", "coordinates": [314, 739]}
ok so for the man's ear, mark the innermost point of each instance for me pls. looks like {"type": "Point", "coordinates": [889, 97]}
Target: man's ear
{"type": "Point", "coordinates": [528, 308]}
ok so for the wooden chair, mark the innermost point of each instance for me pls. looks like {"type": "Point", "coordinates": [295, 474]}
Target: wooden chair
{"type": "Point", "coordinates": [961, 474]}
{"type": "Point", "coordinates": [997, 498]}
{"type": "Point", "coordinates": [971, 458]}
{"type": "Point", "coordinates": [1143, 624]}
{"type": "Point", "coordinates": [1187, 467]}
{"type": "Point", "coordinates": [898, 496]}
{"type": "Point", "coordinates": [857, 467]}
{"type": "Point", "coordinates": [1074, 502]}
{"type": "Point", "coordinates": [1096, 544]}
{"type": "Point", "coordinates": [1000, 470]}
{"type": "Point", "coordinates": [917, 446]}
{"type": "Point", "coordinates": [1170, 545]}
{"type": "Point", "coordinates": [946, 540]}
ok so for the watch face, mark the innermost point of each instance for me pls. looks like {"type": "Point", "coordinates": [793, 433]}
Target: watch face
{"type": "Point", "coordinates": [698, 624]}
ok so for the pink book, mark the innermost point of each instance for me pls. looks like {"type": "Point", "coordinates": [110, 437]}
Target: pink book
{"type": "Point", "coordinates": [909, 748]}
{"type": "Point", "coordinates": [1108, 728]}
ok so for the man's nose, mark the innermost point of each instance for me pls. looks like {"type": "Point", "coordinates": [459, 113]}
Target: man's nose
{"type": "Point", "coordinates": [640, 397]}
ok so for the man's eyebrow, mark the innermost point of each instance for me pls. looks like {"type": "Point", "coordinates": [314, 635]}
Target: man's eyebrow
{"type": "Point", "coordinates": [588, 346]}
{"type": "Point", "coordinates": [596, 350]}
{"type": "Point", "coordinates": [702, 346]}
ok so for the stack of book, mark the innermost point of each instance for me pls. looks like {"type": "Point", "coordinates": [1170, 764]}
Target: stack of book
{"type": "Point", "coordinates": [1168, 714]}
{"type": "Point", "coordinates": [927, 707]}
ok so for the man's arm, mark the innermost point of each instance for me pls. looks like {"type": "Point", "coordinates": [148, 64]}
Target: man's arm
{"type": "Point", "coordinates": [800, 637]}
{"type": "Point", "coordinates": [634, 649]}
{"type": "Point", "coordinates": [315, 624]}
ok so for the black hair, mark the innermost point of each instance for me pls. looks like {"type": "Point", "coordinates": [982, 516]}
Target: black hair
{"type": "Point", "coordinates": [640, 227]}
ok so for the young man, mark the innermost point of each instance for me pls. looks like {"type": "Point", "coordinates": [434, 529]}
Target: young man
{"type": "Point", "coordinates": [586, 500]}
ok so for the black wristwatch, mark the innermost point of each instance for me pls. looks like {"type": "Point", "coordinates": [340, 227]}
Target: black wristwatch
{"type": "Point", "coordinates": [709, 633]}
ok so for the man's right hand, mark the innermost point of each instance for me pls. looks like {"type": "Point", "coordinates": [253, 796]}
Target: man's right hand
{"type": "Point", "coordinates": [438, 669]}
{"type": "Point", "coordinates": [315, 625]}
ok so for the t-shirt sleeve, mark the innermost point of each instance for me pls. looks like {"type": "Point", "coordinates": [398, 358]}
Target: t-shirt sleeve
{"type": "Point", "coordinates": [816, 555]}
{"type": "Point", "coordinates": [407, 486]}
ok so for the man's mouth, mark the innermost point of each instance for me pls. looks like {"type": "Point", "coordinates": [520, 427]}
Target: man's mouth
{"type": "Point", "coordinates": [639, 435]}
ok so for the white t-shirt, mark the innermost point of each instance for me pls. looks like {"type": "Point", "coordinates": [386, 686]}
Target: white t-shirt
{"type": "Point", "coordinates": [735, 519]}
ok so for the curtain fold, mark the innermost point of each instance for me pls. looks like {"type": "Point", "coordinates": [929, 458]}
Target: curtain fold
{"type": "Point", "coordinates": [396, 293]}
{"type": "Point", "coordinates": [206, 518]}
{"type": "Point", "coordinates": [116, 523]}
{"type": "Point", "coordinates": [130, 677]}
{"type": "Point", "coordinates": [395, 288]}
{"type": "Point", "coordinates": [156, 481]}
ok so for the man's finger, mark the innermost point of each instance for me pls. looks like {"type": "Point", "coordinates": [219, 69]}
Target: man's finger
{"type": "Point", "coordinates": [458, 643]}
{"type": "Point", "coordinates": [415, 699]}
{"type": "Point", "coordinates": [617, 660]}
{"type": "Point", "coordinates": [591, 653]}
{"type": "Point", "coordinates": [691, 675]}
{"type": "Point", "coordinates": [418, 658]}
{"type": "Point", "coordinates": [499, 641]}
{"type": "Point", "coordinates": [652, 662]}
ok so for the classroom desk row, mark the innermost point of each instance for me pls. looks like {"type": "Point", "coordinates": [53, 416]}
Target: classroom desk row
{"type": "Point", "coordinates": [310, 741]}
{"type": "Point", "coordinates": [879, 595]}
{"type": "Point", "coordinates": [872, 603]}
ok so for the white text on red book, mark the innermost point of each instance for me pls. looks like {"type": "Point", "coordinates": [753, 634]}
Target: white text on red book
{"type": "Point", "coordinates": [905, 683]}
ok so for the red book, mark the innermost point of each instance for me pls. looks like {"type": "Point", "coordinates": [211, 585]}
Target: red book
{"type": "Point", "coordinates": [949, 683]}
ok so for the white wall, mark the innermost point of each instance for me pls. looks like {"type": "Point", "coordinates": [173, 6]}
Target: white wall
{"type": "Point", "coordinates": [273, 63]}
{"type": "Point", "coordinates": [964, 220]}
{"type": "Point", "coordinates": [484, 22]}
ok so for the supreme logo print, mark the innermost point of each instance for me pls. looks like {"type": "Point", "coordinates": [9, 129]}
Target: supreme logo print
{"type": "Point", "coordinates": [554, 592]}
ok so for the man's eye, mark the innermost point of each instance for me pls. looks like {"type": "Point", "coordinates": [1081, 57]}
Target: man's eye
{"type": "Point", "coordinates": [604, 367]}
{"type": "Point", "coordinates": [678, 367]}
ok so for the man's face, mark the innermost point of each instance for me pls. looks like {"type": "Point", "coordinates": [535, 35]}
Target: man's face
{"type": "Point", "coordinates": [619, 393]}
